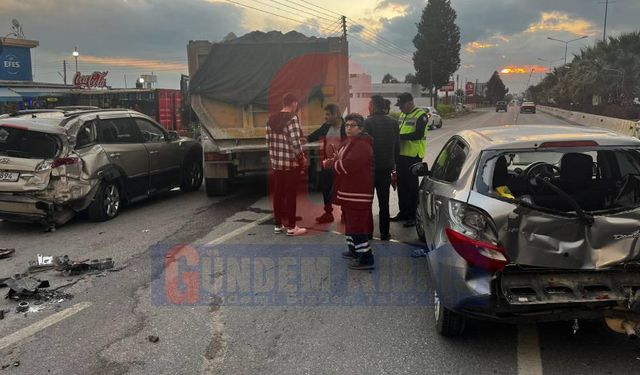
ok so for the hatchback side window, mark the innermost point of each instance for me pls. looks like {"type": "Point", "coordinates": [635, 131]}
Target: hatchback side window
{"type": "Point", "coordinates": [86, 135]}
{"type": "Point", "coordinates": [150, 132]}
{"type": "Point", "coordinates": [449, 162]}
{"type": "Point", "coordinates": [118, 130]}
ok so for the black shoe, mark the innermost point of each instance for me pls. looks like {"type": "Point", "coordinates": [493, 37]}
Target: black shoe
{"type": "Point", "coordinates": [361, 266]}
{"type": "Point", "coordinates": [385, 237]}
{"type": "Point", "coordinates": [398, 217]}
{"type": "Point", "coordinates": [409, 224]}
{"type": "Point", "coordinates": [349, 255]}
{"type": "Point", "coordinates": [298, 218]}
{"type": "Point", "coordinates": [325, 218]}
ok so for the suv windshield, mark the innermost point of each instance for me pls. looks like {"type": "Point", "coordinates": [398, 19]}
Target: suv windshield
{"type": "Point", "coordinates": [598, 180]}
{"type": "Point", "coordinates": [28, 144]}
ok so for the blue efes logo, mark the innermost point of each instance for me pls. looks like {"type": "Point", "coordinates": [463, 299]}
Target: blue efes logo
{"type": "Point", "coordinates": [11, 64]}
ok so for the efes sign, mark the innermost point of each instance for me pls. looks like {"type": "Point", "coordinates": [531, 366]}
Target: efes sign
{"type": "Point", "coordinates": [15, 64]}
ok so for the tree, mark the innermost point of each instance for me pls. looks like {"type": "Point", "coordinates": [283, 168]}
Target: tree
{"type": "Point", "coordinates": [437, 44]}
{"type": "Point", "coordinates": [410, 78]}
{"type": "Point", "coordinates": [388, 78]}
{"type": "Point", "coordinates": [496, 89]}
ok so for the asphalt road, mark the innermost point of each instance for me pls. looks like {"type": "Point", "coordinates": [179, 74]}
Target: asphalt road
{"type": "Point", "coordinates": [225, 295]}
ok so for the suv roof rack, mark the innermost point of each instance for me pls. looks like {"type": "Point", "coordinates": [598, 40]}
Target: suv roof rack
{"type": "Point", "coordinates": [75, 113]}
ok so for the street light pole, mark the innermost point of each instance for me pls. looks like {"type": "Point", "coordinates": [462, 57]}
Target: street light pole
{"type": "Point", "coordinates": [75, 55]}
{"type": "Point", "coordinates": [550, 62]}
{"type": "Point", "coordinates": [566, 44]}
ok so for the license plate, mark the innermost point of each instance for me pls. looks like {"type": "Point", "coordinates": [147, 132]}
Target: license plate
{"type": "Point", "coordinates": [9, 176]}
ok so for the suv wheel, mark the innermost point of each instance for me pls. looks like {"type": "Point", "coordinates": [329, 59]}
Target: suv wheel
{"type": "Point", "coordinates": [192, 175]}
{"type": "Point", "coordinates": [448, 323]}
{"type": "Point", "coordinates": [106, 203]}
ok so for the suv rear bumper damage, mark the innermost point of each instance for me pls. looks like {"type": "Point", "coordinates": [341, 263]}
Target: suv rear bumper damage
{"type": "Point", "coordinates": [28, 209]}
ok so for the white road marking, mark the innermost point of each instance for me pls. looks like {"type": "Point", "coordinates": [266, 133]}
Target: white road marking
{"type": "Point", "coordinates": [42, 324]}
{"type": "Point", "coordinates": [239, 231]}
{"type": "Point", "coordinates": [529, 359]}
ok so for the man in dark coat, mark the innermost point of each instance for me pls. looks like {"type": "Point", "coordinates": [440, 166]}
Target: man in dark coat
{"type": "Point", "coordinates": [332, 134]}
{"type": "Point", "coordinates": [386, 144]}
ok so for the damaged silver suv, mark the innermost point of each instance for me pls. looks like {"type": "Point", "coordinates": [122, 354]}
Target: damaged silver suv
{"type": "Point", "coordinates": [533, 223]}
{"type": "Point", "coordinates": [56, 163]}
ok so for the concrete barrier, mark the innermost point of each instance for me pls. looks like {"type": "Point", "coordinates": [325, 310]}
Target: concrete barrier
{"type": "Point", "coordinates": [625, 127]}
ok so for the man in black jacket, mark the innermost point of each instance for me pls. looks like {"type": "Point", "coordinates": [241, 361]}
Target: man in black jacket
{"type": "Point", "coordinates": [385, 133]}
{"type": "Point", "coordinates": [332, 133]}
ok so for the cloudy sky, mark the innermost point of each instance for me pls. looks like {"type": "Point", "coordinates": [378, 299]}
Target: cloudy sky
{"type": "Point", "coordinates": [133, 37]}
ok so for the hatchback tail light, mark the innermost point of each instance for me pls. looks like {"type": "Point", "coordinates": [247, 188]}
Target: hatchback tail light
{"type": "Point", "coordinates": [474, 236]}
{"type": "Point", "coordinates": [478, 253]}
{"type": "Point", "coordinates": [64, 161]}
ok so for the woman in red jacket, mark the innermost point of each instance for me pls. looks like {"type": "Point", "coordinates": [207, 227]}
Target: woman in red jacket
{"type": "Point", "coordinates": [354, 191]}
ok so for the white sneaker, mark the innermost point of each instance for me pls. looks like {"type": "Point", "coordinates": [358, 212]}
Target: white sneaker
{"type": "Point", "coordinates": [296, 231]}
{"type": "Point", "coordinates": [278, 229]}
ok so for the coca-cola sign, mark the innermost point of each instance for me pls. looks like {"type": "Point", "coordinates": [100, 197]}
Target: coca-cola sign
{"type": "Point", "coordinates": [96, 79]}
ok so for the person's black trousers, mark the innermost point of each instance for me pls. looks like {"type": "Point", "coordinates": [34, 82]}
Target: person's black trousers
{"type": "Point", "coordinates": [382, 184]}
{"type": "Point", "coordinates": [358, 225]}
{"type": "Point", "coordinates": [326, 184]}
{"type": "Point", "coordinates": [407, 186]}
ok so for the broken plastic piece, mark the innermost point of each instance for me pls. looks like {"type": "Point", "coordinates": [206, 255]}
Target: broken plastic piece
{"type": "Point", "coordinates": [5, 252]}
{"type": "Point", "coordinates": [154, 339]}
{"type": "Point", "coordinates": [24, 286]}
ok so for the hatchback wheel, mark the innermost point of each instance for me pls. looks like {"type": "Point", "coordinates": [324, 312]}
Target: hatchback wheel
{"type": "Point", "coordinates": [448, 323]}
{"type": "Point", "coordinates": [192, 175]}
{"type": "Point", "coordinates": [420, 225]}
{"type": "Point", "coordinates": [106, 203]}
{"type": "Point", "coordinates": [440, 124]}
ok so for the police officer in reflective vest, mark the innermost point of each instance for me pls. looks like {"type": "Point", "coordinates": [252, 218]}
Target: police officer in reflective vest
{"type": "Point", "coordinates": [413, 125]}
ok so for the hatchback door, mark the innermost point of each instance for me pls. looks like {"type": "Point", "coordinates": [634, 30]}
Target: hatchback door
{"type": "Point", "coordinates": [164, 156]}
{"type": "Point", "coordinates": [438, 188]}
{"type": "Point", "coordinates": [25, 157]}
{"type": "Point", "coordinates": [123, 145]}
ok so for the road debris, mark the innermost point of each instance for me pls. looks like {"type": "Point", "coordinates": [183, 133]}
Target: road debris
{"type": "Point", "coordinates": [22, 307]}
{"type": "Point", "coordinates": [24, 286]}
{"type": "Point", "coordinates": [6, 252]}
{"type": "Point", "coordinates": [42, 263]}
{"type": "Point", "coordinates": [72, 267]}
{"type": "Point", "coordinates": [154, 339]}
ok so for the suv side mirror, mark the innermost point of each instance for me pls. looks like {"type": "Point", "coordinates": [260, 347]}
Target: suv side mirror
{"type": "Point", "coordinates": [172, 136]}
{"type": "Point", "coordinates": [419, 169]}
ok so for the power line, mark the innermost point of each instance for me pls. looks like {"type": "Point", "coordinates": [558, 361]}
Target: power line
{"type": "Point", "coordinates": [304, 11]}
{"type": "Point", "coordinates": [386, 52]}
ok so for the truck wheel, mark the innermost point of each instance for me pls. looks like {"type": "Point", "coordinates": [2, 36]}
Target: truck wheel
{"type": "Point", "coordinates": [440, 124]}
{"type": "Point", "coordinates": [217, 186]}
{"type": "Point", "coordinates": [106, 203]}
{"type": "Point", "coordinates": [192, 175]}
{"type": "Point", "coordinates": [448, 323]}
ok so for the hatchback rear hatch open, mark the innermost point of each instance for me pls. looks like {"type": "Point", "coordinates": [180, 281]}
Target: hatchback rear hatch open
{"type": "Point", "coordinates": [568, 219]}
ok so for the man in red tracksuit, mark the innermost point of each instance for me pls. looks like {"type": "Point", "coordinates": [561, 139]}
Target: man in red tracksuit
{"type": "Point", "coordinates": [354, 191]}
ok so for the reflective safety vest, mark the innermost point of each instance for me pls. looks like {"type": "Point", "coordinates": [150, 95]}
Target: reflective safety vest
{"type": "Point", "coordinates": [407, 126]}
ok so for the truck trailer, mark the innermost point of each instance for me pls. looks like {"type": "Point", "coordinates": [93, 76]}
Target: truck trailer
{"type": "Point", "coordinates": [237, 83]}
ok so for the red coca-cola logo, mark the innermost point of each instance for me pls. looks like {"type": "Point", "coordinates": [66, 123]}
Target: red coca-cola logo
{"type": "Point", "coordinates": [96, 79]}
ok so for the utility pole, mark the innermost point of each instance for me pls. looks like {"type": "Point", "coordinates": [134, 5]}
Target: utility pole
{"type": "Point", "coordinates": [125, 81]}
{"type": "Point", "coordinates": [431, 80]}
{"type": "Point", "coordinates": [64, 69]}
{"type": "Point", "coordinates": [606, 13]}
{"type": "Point", "coordinates": [344, 27]}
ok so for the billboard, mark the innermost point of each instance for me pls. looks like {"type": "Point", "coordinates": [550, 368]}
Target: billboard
{"type": "Point", "coordinates": [448, 87]}
{"type": "Point", "coordinates": [469, 88]}
{"type": "Point", "coordinates": [15, 64]}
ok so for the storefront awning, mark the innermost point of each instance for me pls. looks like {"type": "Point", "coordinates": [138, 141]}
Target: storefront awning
{"type": "Point", "coordinates": [36, 92]}
{"type": "Point", "coordinates": [8, 95]}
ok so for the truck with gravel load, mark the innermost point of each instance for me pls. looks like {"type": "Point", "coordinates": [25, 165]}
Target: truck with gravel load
{"type": "Point", "coordinates": [235, 84]}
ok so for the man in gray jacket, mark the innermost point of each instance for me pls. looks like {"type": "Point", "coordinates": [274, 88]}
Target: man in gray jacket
{"type": "Point", "coordinates": [386, 145]}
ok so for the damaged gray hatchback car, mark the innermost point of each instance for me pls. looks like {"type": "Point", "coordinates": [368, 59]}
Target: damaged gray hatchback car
{"type": "Point", "coordinates": [56, 163]}
{"type": "Point", "coordinates": [533, 223]}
